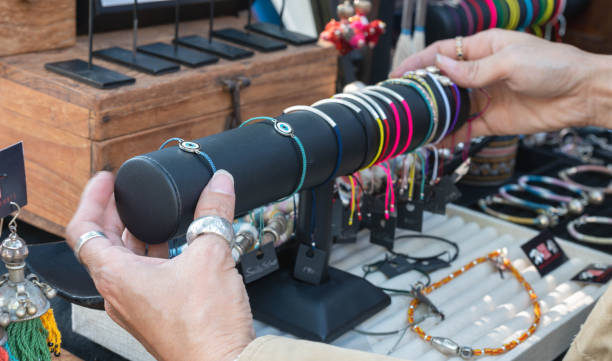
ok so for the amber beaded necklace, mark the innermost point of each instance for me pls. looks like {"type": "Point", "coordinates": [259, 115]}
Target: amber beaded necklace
{"type": "Point", "coordinates": [450, 347]}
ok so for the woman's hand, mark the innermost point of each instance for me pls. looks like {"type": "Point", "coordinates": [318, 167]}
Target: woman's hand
{"type": "Point", "coordinates": [192, 307]}
{"type": "Point", "coordinates": [535, 85]}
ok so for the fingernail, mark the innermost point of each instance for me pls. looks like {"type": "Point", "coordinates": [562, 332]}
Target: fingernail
{"type": "Point", "coordinates": [445, 63]}
{"type": "Point", "coordinates": [222, 182]}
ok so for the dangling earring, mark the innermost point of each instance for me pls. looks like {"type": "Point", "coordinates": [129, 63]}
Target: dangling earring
{"type": "Point", "coordinates": [27, 325]}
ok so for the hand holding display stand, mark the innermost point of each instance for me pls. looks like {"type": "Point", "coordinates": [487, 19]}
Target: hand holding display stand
{"type": "Point", "coordinates": [133, 59]}
{"type": "Point", "coordinates": [175, 52]}
{"type": "Point", "coordinates": [248, 39]}
{"type": "Point", "coordinates": [279, 31]}
{"type": "Point", "coordinates": [87, 72]}
{"type": "Point", "coordinates": [266, 166]}
{"type": "Point", "coordinates": [211, 46]}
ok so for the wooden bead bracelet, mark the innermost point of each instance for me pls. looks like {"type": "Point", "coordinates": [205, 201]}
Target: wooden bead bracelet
{"type": "Point", "coordinates": [450, 347]}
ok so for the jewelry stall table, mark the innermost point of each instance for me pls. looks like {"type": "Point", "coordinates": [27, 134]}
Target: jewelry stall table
{"type": "Point", "coordinates": [71, 130]}
{"type": "Point", "coordinates": [481, 310]}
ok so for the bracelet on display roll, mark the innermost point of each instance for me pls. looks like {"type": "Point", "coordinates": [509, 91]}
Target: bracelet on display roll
{"type": "Point", "coordinates": [574, 205]}
{"type": "Point", "coordinates": [542, 219]}
{"type": "Point", "coordinates": [573, 231]}
{"type": "Point", "coordinates": [449, 347]}
{"type": "Point", "coordinates": [504, 192]}
{"type": "Point", "coordinates": [567, 173]}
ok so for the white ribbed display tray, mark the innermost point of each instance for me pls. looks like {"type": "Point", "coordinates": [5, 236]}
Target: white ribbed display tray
{"type": "Point", "coordinates": [481, 309]}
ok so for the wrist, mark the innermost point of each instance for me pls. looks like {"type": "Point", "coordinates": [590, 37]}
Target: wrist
{"type": "Point", "coordinates": [599, 91]}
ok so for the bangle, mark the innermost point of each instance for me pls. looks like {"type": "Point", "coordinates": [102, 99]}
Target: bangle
{"type": "Point", "coordinates": [541, 220]}
{"type": "Point", "coordinates": [332, 125]}
{"type": "Point", "coordinates": [428, 103]}
{"type": "Point", "coordinates": [444, 96]}
{"type": "Point", "coordinates": [567, 173]}
{"type": "Point", "coordinates": [406, 109]}
{"type": "Point", "coordinates": [384, 122]}
{"type": "Point", "coordinates": [419, 77]}
{"type": "Point", "coordinates": [503, 191]}
{"type": "Point", "coordinates": [571, 229]}
{"type": "Point", "coordinates": [502, 14]}
{"type": "Point", "coordinates": [468, 16]}
{"type": "Point", "coordinates": [398, 128]}
{"type": "Point", "coordinates": [357, 112]}
{"type": "Point", "coordinates": [493, 12]}
{"type": "Point", "coordinates": [451, 348]}
{"type": "Point", "coordinates": [515, 14]}
{"type": "Point", "coordinates": [479, 17]}
{"type": "Point", "coordinates": [528, 14]}
{"type": "Point", "coordinates": [191, 147]}
{"type": "Point", "coordinates": [284, 129]}
{"type": "Point", "coordinates": [575, 205]}
{"type": "Point", "coordinates": [374, 115]}
{"type": "Point", "coordinates": [550, 7]}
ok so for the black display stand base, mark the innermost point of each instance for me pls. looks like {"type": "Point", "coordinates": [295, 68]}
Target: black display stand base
{"type": "Point", "coordinates": [281, 33]}
{"type": "Point", "coordinates": [250, 40]}
{"type": "Point", "coordinates": [321, 312]}
{"type": "Point", "coordinates": [141, 62]}
{"type": "Point", "coordinates": [95, 76]}
{"type": "Point", "coordinates": [178, 54]}
{"type": "Point", "coordinates": [223, 50]}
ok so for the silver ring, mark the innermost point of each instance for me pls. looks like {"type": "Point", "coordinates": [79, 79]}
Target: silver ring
{"type": "Point", "coordinates": [86, 237]}
{"type": "Point", "coordinates": [211, 225]}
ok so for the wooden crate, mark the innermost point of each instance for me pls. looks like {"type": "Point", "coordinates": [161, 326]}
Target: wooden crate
{"type": "Point", "coordinates": [27, 26]}
{"type": "Point", "coordinates": [71, 130]}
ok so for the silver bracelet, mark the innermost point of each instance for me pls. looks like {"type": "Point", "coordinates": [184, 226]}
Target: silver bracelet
{"type": "Point", "coordinates": [567, 173]}
{"type": "Point", "coordinates": [571, 229]}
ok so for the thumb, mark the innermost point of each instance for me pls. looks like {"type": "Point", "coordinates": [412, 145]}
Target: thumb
{"type": "Point", "coordinates": [472, 74]}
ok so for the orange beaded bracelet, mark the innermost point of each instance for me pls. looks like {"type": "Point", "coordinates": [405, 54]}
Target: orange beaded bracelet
{"type": "Point", "coordinates": [450, 347]}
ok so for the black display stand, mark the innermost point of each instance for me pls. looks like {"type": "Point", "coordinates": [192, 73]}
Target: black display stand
{"type": "Point", "coordinates": [279, 31]}
{"type": "Point", "coordinates": [211, 46]}
{"type": "Point", "coordinates": [133, 59]}
{"type": "Point", "coordinates": [175, 52]}
{"type": "Point", "coordinates": [254, 41]}
{"type": "Point", "coordinates": [87, 72]}
{"type": "Point", "coordinates": [294, 306]}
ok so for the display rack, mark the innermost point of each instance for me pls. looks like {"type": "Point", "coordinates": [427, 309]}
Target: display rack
{"type": "Point", "coordinates": [565, 303]}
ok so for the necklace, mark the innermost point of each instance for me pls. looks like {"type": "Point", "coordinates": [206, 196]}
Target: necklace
{"type": "Point", "coordinates": [450, 347]}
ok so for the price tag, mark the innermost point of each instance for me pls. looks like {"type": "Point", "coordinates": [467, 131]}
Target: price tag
{"type": "Point", "coordinates": [310, 264]}
{"type": "Point", "coordinates": [410, 214]}
{"type": "Point", "coordinates": [594, 273]}
{"type": "Point", "coordinates": [382, 231]}
{"type": "Point", "coordinates": [397, 265]}
{"type": "Point", "coordinates": [259, 263]}
{"type": "Point", "coordinates": [12, 179]}
{"type": "Point", "coordinates": [544, 252]}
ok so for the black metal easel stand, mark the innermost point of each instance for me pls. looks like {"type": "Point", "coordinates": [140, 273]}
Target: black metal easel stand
{"type": "Point", "coordinates": [323, 311]}
{"type": "Point", "coordinates": [177, 53]}
{"type": "Point", "coordinates": [133, 59]}
{"type": "Point", "coordinates": [209, 45]}
{"type": "Point", "coordinates": [254, 41]}
{"type": "Point", "coordinates": [280, 32]}
{"type": "Point", "coordinates": [85, 71]}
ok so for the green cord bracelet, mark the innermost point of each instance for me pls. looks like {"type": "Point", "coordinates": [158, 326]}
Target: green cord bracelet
{"type": "Point", "coordinates": [286, 130]}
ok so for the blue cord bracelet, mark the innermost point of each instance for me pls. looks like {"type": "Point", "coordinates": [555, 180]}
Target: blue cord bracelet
{"type": "Point", "coordinates": [191, 147]}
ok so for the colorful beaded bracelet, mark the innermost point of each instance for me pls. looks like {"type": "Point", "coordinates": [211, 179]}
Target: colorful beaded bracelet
{"type": "Point", "coordinates": [450, 347]}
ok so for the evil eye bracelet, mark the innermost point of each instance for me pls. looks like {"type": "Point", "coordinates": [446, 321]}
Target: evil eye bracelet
{"type": "Point", "coordinates": [568, 173]}
{"type": "Point", "coordinates": [573, 225]}
{"type": "Point", "coordinates": [541, 220]}
{"type": "Point", "coordinates": [286, 130]}
{"type": "Point", "coordinates": [504, 192]}
{"type": "Point", "coordinates": [191, 147]}
{"type": "Point", "coordinates": [331, 124]}
{"type": "Point", "coordinates": [375, 115]}
{"type": "Point", "coordinates": [428, 103]}
{"type": "Point", "coordinates": [574, 205]}
{"type": "Point", "coordinates": [390, 103]}
{"type": "Point", "coordinates": [406, 109]}
{"type": "Point", "coordinates": [383, 118]}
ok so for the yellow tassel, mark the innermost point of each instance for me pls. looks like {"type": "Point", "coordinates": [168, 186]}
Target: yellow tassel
{"type": "Point", "coordinates": [54, 338]}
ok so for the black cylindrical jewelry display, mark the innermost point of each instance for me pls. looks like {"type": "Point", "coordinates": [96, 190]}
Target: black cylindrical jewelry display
{"type": "Point", "coordinates": [157, 192]}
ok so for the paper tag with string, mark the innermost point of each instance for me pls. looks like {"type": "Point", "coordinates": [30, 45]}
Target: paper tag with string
{"type": "Point", "coordinates": [310, 264]}
{"type": "Point", "coordinates": [12, 179]}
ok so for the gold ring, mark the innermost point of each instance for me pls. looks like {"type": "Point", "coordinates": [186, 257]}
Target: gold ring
{"type": "Point", "coordinates": [459, 46]}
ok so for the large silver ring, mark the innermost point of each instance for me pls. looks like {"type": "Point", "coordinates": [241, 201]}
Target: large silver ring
{"type": "Point", "coordinates": [86, 237]}
{"type": "Point", "coordinates": [211, 225]}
